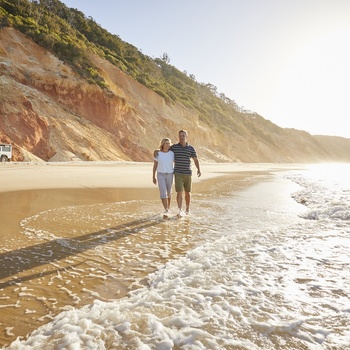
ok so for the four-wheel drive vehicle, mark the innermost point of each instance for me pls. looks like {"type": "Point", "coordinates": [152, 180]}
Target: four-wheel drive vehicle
{"type": "Point", "coordinates": [5, 152]}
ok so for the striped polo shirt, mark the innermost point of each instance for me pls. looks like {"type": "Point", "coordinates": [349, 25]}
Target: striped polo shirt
{"type": "Point", "coordinates": [183, 157]}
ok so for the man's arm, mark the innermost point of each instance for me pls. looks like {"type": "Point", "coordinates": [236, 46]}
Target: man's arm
{"type": "Point", "coordinates": [196, 163]}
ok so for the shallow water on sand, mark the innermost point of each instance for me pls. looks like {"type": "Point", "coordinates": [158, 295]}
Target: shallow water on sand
{"type": "Point", "coordinates": [72, 254]}
{"type": "Point", "coordinates": [254, 269]}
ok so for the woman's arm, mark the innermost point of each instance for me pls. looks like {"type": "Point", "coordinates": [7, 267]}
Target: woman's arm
{"type": "Point", "coordinates": [155, 166]}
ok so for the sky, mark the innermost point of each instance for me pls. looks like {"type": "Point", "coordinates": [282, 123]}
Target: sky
{"type": "Point", "coordinates": [287, 60]}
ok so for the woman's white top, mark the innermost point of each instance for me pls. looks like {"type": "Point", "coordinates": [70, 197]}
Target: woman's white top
{"type": "Point", "coordinates": [165, 162]}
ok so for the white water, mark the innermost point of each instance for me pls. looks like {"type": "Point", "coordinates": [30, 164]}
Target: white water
{"type": "Point", "coordinates": [266, 273]}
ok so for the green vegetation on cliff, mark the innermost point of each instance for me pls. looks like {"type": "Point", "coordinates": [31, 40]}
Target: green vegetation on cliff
{"type": "Point", "coordinates": [225, 132]}
{"type": "Point", "coordinates": [70, 35]}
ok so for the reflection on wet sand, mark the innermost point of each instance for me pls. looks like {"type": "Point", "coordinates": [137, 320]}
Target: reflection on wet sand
{"type": "Point", "coordinates": [75, 246]}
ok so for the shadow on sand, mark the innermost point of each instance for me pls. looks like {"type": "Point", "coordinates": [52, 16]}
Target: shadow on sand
{"type": "Point", "coordinates": [20, 260]}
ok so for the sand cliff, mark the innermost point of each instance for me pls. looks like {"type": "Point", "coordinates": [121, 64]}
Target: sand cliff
{"type": "Point", "coordinates": [49, 113]}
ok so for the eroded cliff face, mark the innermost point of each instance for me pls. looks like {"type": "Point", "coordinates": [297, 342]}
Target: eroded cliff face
{"type": "Point", "coordinates": [49, 113]}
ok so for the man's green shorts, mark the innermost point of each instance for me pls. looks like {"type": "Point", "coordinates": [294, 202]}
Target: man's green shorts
{"type": "Point", "coordinates": [183, 183]}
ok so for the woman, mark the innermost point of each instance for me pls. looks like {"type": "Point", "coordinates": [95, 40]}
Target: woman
{"type": "Point", "coordinates": [163, 164]}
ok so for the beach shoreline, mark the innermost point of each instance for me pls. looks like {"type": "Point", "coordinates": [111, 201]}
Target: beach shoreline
{"type": "Point", "coordinates": [30, 189]}
{"type": "Point", "coordinates": [18, 176]}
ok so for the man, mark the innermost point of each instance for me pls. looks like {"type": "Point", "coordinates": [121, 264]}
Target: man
{"type": "Point", "coordinates": [183, 153]}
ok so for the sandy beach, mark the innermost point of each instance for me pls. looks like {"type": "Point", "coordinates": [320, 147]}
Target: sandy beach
{"type": "Point", "coordinates": [31, 176]}
{"type": "Point", "coordinates": [54, 216]}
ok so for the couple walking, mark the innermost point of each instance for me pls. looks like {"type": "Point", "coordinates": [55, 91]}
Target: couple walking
{"type": "Point", "coordinates": [175, 159]}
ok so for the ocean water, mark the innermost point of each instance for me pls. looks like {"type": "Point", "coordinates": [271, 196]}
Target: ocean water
{"type": "Point", "coordinates": [264, 268]}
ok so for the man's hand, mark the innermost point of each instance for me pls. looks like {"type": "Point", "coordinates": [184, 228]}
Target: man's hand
{"type": "Point", "coordinates": [199, 173]}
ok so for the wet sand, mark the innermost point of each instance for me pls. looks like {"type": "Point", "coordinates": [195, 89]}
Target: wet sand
{"type": "Point", "coordinates": [87, 207]}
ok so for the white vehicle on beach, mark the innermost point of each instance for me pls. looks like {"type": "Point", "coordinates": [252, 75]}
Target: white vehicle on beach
{"type": "Point", "coordinates": [5, 152]}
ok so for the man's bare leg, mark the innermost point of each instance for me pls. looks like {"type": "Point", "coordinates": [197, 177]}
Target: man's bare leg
{"type": "Point", "coordinates": [188, 200]}
{"type": "Point", "coordinates": [179, 201]}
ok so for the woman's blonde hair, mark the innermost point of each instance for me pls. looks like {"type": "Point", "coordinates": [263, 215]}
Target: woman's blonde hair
{"type": "Point", "coordinates": [161, 146]}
